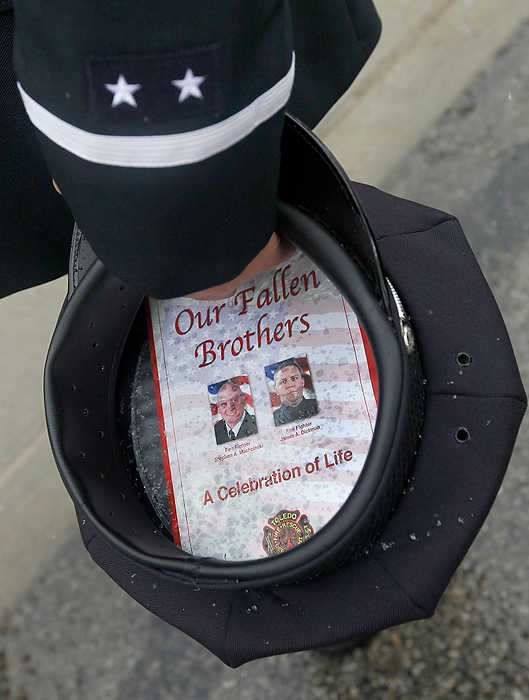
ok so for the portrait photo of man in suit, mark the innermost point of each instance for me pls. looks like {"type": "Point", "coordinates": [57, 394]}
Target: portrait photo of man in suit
{"type": "Point", "coordinates": [236, 421]}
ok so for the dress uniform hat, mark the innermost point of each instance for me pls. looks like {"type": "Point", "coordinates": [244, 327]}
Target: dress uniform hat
{"type": "Point", "coordinates": [436, 459]}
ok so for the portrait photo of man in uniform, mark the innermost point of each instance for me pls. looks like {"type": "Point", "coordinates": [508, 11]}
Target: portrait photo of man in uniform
{"type": "Point", "coordinates": [289, 385]}
{"type": "Point", "coordinates": [236, 421]}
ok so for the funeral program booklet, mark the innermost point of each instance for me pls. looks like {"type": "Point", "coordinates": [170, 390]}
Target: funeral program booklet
{"type": "Point", "coordinates": [267, 402]}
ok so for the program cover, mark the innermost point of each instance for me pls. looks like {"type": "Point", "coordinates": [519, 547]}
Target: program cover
{"type": "Point", "coordinates": [266, 405]}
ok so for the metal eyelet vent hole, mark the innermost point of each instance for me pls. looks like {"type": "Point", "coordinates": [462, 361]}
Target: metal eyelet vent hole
{"type": "Point", "coordinates": [91, 324]}
{"type": "Point", "coordinates": [100, 434]}
{"type": "Point", "coordinates": [95, 344]}
{"type": "Point", "coordinates": [462, 434]}
{"type": "Point", "coordinates": [464, 359]}
{"type": "Point", "coordinates": [122, 287]}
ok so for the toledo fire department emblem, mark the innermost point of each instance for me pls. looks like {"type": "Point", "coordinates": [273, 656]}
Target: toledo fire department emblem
{"type": "Point", "coordinates": [285, 530]}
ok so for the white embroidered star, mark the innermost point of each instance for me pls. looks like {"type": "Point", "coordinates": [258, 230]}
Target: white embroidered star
{"type": "Point", "coordinates": [189, 85]}
{"type": "Point", "coordinates": [123, 92]}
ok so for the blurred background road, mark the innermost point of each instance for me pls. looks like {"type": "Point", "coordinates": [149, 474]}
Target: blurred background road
{"type": "Point", "coordinates": [439, 115]}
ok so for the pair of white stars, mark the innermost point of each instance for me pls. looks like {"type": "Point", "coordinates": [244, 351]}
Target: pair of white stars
{"type": "Point", "coordinates": [124, 92]}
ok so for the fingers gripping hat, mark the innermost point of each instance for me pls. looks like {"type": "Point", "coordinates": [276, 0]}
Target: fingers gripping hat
{"type": "Point", "coordinates": [434, 466]}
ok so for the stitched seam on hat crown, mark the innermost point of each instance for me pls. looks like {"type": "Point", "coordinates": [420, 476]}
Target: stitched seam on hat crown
{"type": "Point", "coordinates": [420, 230]}
{"type": "Point", "coordinates": [229, 654]}
{"type": "Point", "coordinates": [408, 597]}
{"type": "Point", "coordinates": [462, 394]}
{"type": "Point", "coordinates": [89, 542]}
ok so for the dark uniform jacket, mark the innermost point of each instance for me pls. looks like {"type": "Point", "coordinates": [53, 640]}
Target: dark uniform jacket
{"type": "Point", "coordinates": [304, 409]}
{"type": "Point", "coordinates": [332, 41]}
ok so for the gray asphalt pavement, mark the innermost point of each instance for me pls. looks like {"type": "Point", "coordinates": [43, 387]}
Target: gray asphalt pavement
{"type": "Point", "coordinates": [75, 635]}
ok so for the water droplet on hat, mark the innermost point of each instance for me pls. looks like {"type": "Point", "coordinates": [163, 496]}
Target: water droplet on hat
{"type": "Point", "coordinates": [413, 537]}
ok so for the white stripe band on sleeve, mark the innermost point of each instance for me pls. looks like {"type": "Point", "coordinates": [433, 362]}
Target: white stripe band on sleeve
{"type": "Point", "coordinates": [166, 150]}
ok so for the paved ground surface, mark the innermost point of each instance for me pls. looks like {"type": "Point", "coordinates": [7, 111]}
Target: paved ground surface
{"type": "Point", "coordinates": [75, 635]}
